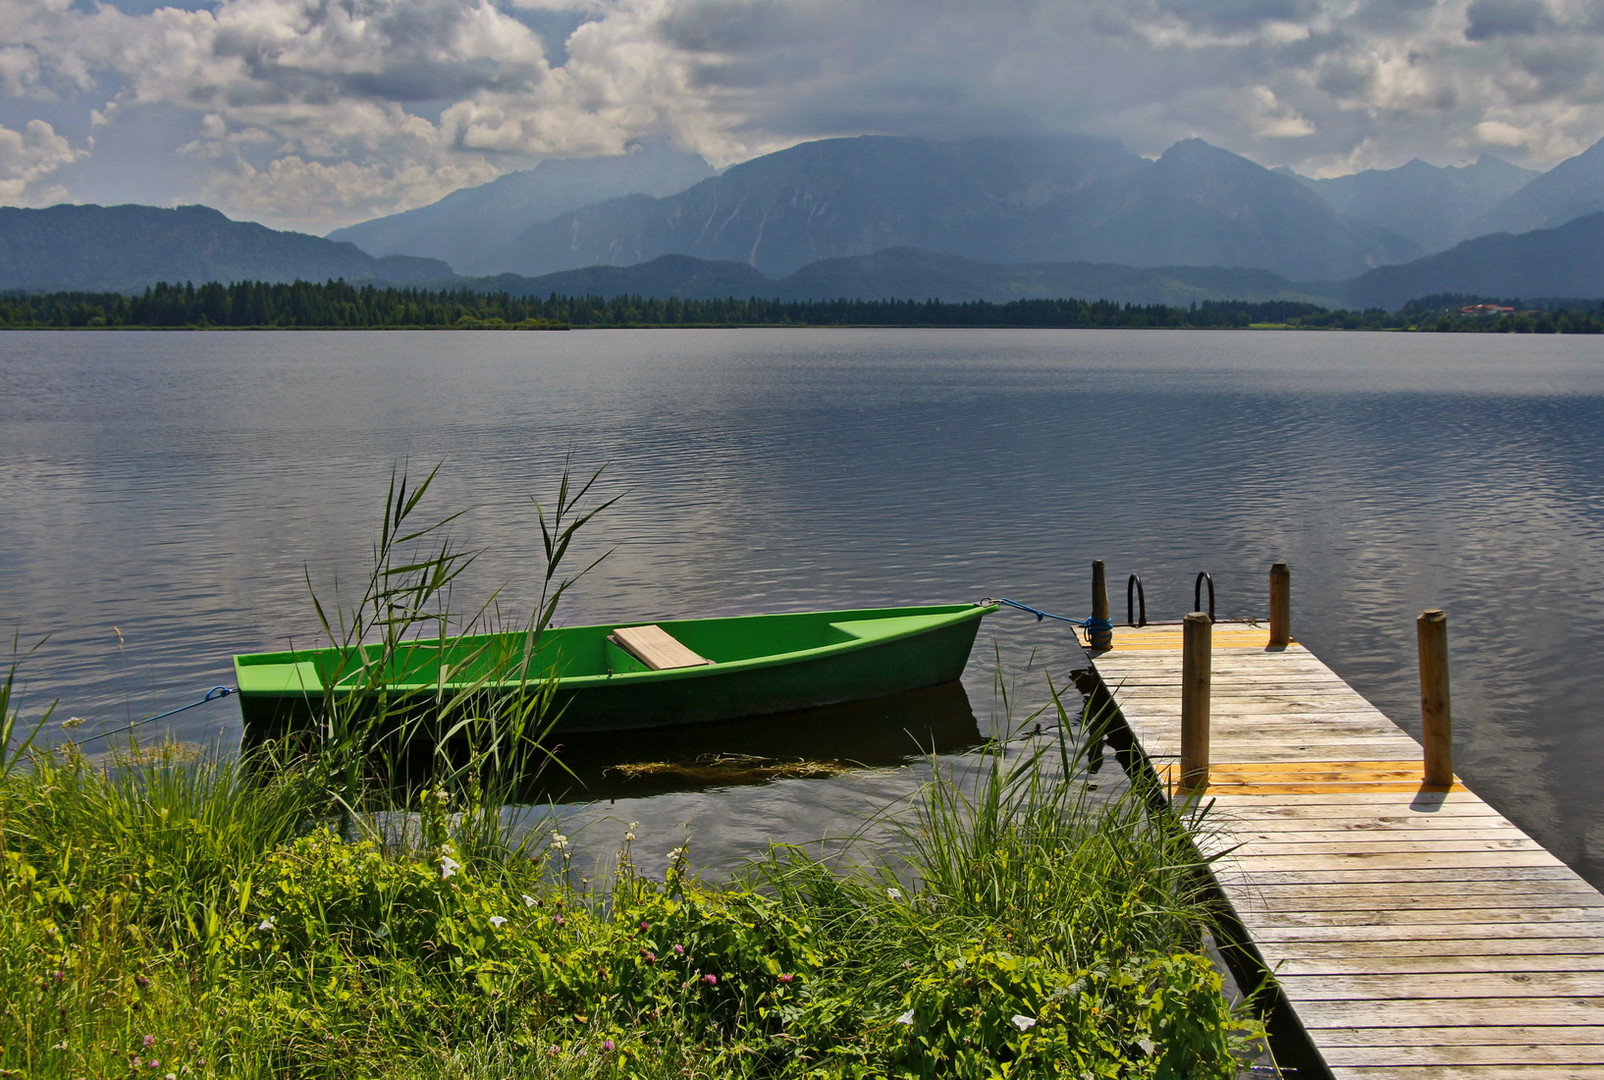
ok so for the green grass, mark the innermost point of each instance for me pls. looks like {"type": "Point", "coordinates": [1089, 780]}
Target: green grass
{"type": "Point", "coordinates": [194, 913]}
{"type": "Point", "coordinates": [286, 914]}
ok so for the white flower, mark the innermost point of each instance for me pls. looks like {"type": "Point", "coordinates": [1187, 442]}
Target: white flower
{"type": "Point", "coordinates": [633, 825]}
{"type": "Point", "coordinates": [448, 866]}
{"type": "Point", "coordinates": [906, 1018]}
{"type": "Point", "coordinates": [677, 855]}
{"type": "Point", "coordinates": [629, 838]}
{"type": "Point", "coordinates": [529, 901]}
{"type": "Point", "coordinates": [894, 894]}
{"type": "Point", "coordinates": [497, 920]}
{"type": "Point", "coordinates": [265, 924]}
{"type": "Point", "coordinates": [1024, 1023]}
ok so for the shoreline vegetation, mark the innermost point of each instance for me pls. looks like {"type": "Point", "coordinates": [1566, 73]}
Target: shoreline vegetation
{"type": "Point", "coordinates": [252, 305]}
{"type": "Point", "coordinates": [302, 912]}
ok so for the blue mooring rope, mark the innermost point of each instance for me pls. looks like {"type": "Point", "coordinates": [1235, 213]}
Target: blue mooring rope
{"type": "Point", "coordinates": [1098, 631]}
{"type": "Point", "coordinates": [211, 695]}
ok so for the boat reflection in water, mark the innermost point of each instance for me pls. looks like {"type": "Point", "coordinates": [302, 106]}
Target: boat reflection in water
{"type": "Point", "coordinates": [825, 741]}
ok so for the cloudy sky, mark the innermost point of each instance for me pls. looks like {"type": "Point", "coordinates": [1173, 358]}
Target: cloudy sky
{"type": "Point", "coordinates": [312, 114]}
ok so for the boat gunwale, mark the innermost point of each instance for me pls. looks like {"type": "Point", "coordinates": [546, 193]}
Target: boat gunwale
{"type": "Point", "coordinates": [939, 616]}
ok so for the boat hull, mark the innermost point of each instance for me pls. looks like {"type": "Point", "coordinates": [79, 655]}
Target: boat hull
{"type": "Point", "coordinates": [758, 665]}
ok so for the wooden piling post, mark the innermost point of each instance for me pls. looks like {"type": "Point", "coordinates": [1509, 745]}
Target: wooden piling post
{"type": "Point", "coordinates": [1197, 637]}
{"type": "Point", "coordinates": [1436, 721]}
{"type": "Point", "coordinates": [1280, 606]}
{"type": "Point", "coordinates": [1099, 634]}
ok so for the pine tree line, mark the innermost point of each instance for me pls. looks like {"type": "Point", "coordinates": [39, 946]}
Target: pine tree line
{"type": "Point", "coordinates": [339, 305]}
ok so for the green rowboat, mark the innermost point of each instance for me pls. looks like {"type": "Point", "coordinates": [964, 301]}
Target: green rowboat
{"type": "Point", "coordinates": [627, 676]}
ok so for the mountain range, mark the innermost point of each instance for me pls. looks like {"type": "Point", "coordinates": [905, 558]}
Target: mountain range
{"type": "Point", "coordinates": [125, 248]}
{"type": "Point", "coordinates": [468, 227]}
{"type": "Point", "coordinates": [1012, 200]}
{"type": "Point", "coordinates": [877, 216]}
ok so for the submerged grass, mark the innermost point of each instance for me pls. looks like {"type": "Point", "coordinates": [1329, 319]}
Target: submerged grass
{"type": "Point", "coordinates": [170, 914]}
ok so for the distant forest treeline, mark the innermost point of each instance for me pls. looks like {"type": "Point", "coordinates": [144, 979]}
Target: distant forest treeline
{"type": "Point", "coordinates": [338, 305]}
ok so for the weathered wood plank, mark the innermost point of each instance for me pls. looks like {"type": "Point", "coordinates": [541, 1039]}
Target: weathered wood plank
{"type": "Point", "coordinates": [1274, 952]}
{"type": "Point", "coordinates": [1473, 962]}
{"type": "Point", "coordinates": [1417, 932]}
{"type": "Point", "coordinates": [1425, 930]}
{"type": "Point", "coordinates": [1462, 1072]}
{"type": "Point", "coordinates": [1467, 1036]}
{"type": "Point", "coordinates": [1522, 1054]}
{"type": "Point", "coordinates": [1435, 917]}
{"type": "Point", "coordinates": [1415, 986]}
{"type": "Point", "coordinates": [1450, 1013]}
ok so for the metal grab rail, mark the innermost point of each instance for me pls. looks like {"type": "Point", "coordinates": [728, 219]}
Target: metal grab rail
{"type": "Point", "coordinates": [1135, 602]}
{"type": "Point", "coordinates": [1197, 593]}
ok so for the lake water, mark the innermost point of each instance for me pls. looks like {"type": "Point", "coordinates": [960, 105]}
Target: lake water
{"type": "Point", "coordinates": [166, 495]}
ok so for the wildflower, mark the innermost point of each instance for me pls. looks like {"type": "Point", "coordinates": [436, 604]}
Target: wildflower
{"type": "Point", "coordinates": [448, 867]}
{"type": "Point", "coordinates": [679, 950]}
{"type": "Point", "coordinates": [265, 924]}
{"type": "Point", "coordinates": [629, 838]}
{"type": "Point", "coordinates": [676, 857]}
{"type": "Point", "coordinates": [497, 920]}
{"type": "Point", "coordinates": [711, 980]}
{"type": "Point", "coordinates": [1024, 1023]}
{"type": "Point", "coordinates": [153, 1063]}
{"type": "Point", "coordinates": [607, 1045]}
{"type": "Point", "coordinates": [529, 901]}
{"type": "Point", "coordinates": [786, 978]}
{"type": "Point", "coordinates": [560, 921]}
{"type": "Point", "coordinates": [150, 1040]}
{"type": "Point", "coordinates": [560, 842]}
{"type": "Point", "coordinates": [645, 926]}
{"type": "Point", "coordinates": [894, 894]}
{"type": "Point", "coordinates": [649, 956]}
{"type": "Point", "coordinates": [906, 1018]}
{"type": "Point", "coordinates": [141, 981]}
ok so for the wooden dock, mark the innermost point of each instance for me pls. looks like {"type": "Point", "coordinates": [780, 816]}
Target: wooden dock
{"type": "Point", "coordinates": [1415, 933]}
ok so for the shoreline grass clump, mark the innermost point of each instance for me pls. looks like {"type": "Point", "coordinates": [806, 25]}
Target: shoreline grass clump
{"type": "Point", "coordinates": [185, 915]}
{"type": "Point", "coordinates": [283, 912]}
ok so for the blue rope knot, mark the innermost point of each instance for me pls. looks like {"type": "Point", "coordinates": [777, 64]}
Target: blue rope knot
{"type": "Point", "coordinates": [1099, 632]}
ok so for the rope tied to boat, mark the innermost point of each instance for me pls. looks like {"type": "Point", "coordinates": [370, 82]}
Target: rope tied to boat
{"type": "Point", "coordinates": [213, 694]}
{"type": "Point", "coordinates": [1093, 623]}
{"type": "Point", "coordinates": [1098, 631]}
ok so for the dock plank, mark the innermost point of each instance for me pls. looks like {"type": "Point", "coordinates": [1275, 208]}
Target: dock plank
{"type": "Point", "coordinates": [1416, 932]}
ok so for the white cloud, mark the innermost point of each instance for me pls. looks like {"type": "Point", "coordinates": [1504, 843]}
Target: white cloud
{"type": "Point", "coordinates": [27, 159]}
{"type": "Point", "coordinates": [317, 112]}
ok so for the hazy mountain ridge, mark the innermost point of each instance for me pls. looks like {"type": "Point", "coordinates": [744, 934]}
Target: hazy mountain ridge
{"type": "Point", "coordinates": [1572, 189]}
{"type": "Point", "coordinates": [1002, 200]}
{"type": "Point", "coordinates": [834, 197]}
{"type": "Point", "coordinates": [1430, 205]}
{"type": "Point", "coordinates": [1565, 261]}
{"type": "Point", "coordinates": [1146, 229]}
{"type": "Point", "coordinates": [125, 248]}
{"type": "Point", "coordinates": [467, 226]}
